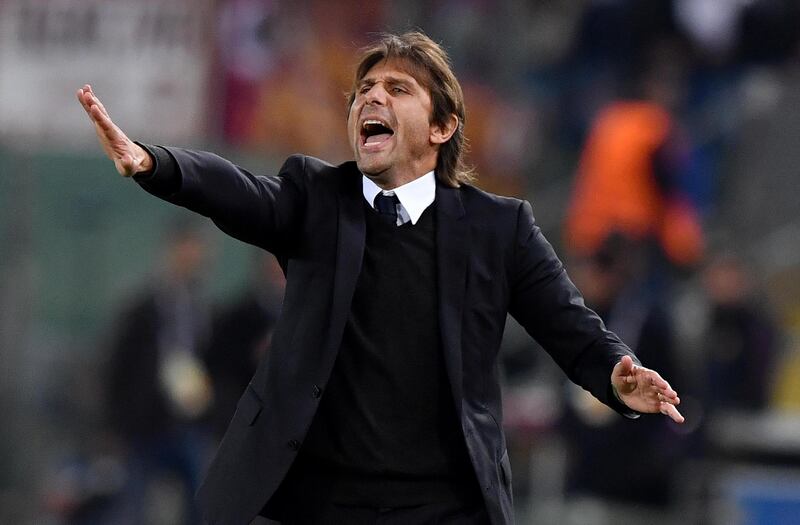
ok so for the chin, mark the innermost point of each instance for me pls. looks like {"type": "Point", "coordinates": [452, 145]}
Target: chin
{"type": "Point", "coordinates": [371, 170]}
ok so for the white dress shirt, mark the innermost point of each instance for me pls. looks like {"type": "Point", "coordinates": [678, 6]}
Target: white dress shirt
{"type": "Point", "coordinates": [414, 196]}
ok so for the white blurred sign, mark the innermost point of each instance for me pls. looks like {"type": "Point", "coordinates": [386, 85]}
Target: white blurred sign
{"type": "Point", "coordinates": [147, 59]}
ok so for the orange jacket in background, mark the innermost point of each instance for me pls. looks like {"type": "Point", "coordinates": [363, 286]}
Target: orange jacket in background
{"type": "Point", "coordinates": [616, 189]}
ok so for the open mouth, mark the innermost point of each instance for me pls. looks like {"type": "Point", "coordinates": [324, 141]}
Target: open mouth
{"type": "Point", "coordinates": [374, 132]}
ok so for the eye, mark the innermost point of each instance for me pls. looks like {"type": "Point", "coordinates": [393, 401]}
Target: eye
{"type": "Point", "coordinates": [364, 89]}
{"type": "Point", "coordinates": [399, 90]}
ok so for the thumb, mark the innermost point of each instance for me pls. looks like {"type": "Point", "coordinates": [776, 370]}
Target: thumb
{"type": "Point", "coordinates": [623, 367]}
{"type": "Point", "coordinates": [125, 166]}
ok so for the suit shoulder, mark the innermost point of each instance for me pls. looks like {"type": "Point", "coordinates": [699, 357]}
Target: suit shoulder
{"type": "Point", "coordinates": [299, 161]}
{"type": "Point", "coordinates": [484, 200]}
{"type": "Point", "coordinates": [316, 170]}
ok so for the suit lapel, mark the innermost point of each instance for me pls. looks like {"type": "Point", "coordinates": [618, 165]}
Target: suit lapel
{"type": "Point", "coordinates": [349, 255]}
{"type": "Point", "coordinates": [452, 253]}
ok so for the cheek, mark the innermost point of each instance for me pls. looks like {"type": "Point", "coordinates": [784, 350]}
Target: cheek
{"type": "Point", "coordinates": [351, 118]}
{"type": "Point", "coordinates": [421, 127]}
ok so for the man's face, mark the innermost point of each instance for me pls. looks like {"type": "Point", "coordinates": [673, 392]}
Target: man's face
{"type": "Point", "coordinates": [389, 126]}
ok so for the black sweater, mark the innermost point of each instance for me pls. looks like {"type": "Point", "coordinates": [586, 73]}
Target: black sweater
{"type": "Point", "coordinates": [386, 433]}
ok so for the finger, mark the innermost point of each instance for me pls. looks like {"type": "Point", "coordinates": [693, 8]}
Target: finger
{"type": "Point", "coordinates": [92, 100]}
{"type": "Point", "coordinates": [671, 400]}
{"type": "Point", "coordinates": [665, 389]}
{"type": "Point", "coordinates": [108, 132]}
{"type": "Point", "coordinates": [89, 99]}
{"type": "Point", "coordinates": [88, 89]}
{"type": "Point", "coordinates": [99, 104]}
{"type": "Point", "coordinates": [105, 123]}
{"type": "Point", "coordinates": [653, 385]}
{"type": "Point", "coordinates": [85, 100]}
{"type": "Point", "coordinates": [652, 378]}
{"type": "Point", "coordinates": [672, 412]}
{"type": "Point", "coordinates": [660, 383]}
{"type": "Point", "coordinates": [670, 396]}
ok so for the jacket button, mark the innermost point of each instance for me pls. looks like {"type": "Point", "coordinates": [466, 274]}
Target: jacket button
{"type": "Point", "coordinates": [294, 444]}
{"type": "Point", "coordinates": [316, 392]}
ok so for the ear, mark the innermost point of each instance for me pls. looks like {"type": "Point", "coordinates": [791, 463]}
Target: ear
{"type": "Point", "coordinates": [441, 133]}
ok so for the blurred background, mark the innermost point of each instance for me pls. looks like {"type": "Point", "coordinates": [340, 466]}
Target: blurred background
{"type": "Point", "coordinates": [657, 140]}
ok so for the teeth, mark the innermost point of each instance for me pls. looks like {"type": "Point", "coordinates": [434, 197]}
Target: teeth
{"type": "Point", "coordinates": [376, 122]}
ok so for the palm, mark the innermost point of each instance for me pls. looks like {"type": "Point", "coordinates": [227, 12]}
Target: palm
{"type": "Point", "coordinates": [644, 390]}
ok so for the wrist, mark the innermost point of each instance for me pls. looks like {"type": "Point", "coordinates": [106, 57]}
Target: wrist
{"type": "Point", "coordinates": [616, 393]}
{"type": "Point", "coordinates": [144, 160]}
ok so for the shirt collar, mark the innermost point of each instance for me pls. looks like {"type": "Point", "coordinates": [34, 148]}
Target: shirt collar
{"type": "Point", "coordinates": [414, 196]}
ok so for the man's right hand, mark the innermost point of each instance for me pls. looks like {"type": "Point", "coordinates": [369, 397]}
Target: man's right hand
{"type": "Point", "coordinates": [129, 158]}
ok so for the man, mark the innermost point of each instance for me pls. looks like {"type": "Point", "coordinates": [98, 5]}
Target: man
{"type": "Point", "coordinates": [379, 400]}
{"type": "Point", "coordinates": [158, 389]}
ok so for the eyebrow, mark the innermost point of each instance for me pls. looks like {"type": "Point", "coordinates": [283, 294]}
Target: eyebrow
{"type": "Point", "coordinates": [388, 80]}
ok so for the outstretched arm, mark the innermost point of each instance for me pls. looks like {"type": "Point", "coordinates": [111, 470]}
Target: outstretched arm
{"type": "Point", "coordinates": [129, 158]}
{"type": "Point", "coordinates": [545, 301]}
{"type": "Point", "coordinates": [644, 390]}
{"type": "Point", "coordinates": [264, 211]}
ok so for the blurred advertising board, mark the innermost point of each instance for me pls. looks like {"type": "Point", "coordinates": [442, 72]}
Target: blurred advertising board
{"type": "Point", "coordinates": [148, 60]}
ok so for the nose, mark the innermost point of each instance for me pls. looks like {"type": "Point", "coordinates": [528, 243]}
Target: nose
{"type": "Point", "coordinates": [376, 95]}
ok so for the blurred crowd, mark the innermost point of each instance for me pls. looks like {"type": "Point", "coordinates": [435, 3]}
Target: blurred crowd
{"type": "Point", "coordinates": [175, 365]}
{"type": "Point", "coordinates": [656, 142]}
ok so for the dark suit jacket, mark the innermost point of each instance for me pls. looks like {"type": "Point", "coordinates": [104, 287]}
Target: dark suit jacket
{"type": "Point", "coordinates": [491, 259]}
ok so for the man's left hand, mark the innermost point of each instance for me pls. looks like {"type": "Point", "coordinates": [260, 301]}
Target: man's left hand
{"type": "Point", "coordinates": [645, 391]}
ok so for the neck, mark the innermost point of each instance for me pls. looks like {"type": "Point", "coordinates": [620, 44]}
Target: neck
{"type": "Point", "coordinates": [388, 180]}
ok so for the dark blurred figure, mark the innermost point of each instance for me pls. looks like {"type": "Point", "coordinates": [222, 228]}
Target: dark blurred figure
{"type": "Point", "coordinates": [596, 481]}
{"type": "Point", "coordinates": [741, 340]}
{"type": "Point", "coordinates": [241, 337]}
{"type": "Point", "coordinates": [158, 388]}
{"type": "Point", "coordinates": [631, 177]}
{"type": "Point", "coordinates": [769, 31]}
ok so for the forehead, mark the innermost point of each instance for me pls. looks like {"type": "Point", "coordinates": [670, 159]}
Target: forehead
{"type": "Point", "coordinates": [398, 69]}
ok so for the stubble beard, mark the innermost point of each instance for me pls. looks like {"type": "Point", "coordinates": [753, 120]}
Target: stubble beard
{"type": "Point", "coordinates": [377, 174]}
{"type": "Point", "coordinates": [374, 168]}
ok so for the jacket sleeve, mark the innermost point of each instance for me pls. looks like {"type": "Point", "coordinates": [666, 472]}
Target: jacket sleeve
{"type": "Point", "coordinates": [264, 211]}
{"type": "Point", "coordinates": [549, 306]}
